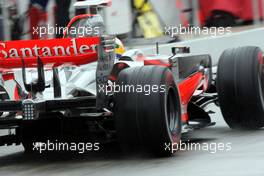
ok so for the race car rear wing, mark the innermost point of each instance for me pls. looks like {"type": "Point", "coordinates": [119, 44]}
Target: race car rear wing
{"type": "Point", "coordinates": [53, 52]}
{"type": "Point", "coordinates": [59, 52]}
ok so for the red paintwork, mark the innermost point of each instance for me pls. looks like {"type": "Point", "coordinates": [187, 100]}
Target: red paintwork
{"type": "Point", "coordinates": [53, 61]}
{"type": "Point", "coordinates": [16, 93]}
{"type": "Point", "coordinates": [50, 61]}
{"type": "Point", "coordinates": [240, 8]}
{"type": "Point", "coordinates": [186, 90]}
{"type": "Point", "coordinates": [8, 76]}
{"type": "Point", "coordinates": [188, 86]}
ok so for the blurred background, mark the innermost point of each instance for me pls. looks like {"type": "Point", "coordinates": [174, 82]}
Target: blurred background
{"type": "Point", "coordinates": [129, 19]}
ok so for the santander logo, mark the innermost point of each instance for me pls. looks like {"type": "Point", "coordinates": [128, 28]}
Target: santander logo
{"type": "Point", "coordinates": [48, 48]}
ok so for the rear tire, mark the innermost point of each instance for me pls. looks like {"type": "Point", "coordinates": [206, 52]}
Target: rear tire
{"type": "Point", "coordinates": [150, 120]}
{"type": "Point", "coordinates": [240, 85]}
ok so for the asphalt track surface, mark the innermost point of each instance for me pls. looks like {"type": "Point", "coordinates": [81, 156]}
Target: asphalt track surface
{"type": "Point", "coordinates": [245, 158]}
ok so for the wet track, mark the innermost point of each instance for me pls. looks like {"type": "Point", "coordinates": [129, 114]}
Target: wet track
{"type": "Point", "coordinates": [246, 158]}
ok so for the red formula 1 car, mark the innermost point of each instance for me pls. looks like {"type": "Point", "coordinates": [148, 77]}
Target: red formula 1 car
{"type": "Point", "coordinates": [138, 100]}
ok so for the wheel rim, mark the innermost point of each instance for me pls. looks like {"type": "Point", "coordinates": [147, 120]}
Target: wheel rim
{"type": "Point", "coordinates": [172, 114]}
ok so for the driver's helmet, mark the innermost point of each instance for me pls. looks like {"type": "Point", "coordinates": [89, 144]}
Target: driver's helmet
{"type": "Point", "coordinates": [119, 48]}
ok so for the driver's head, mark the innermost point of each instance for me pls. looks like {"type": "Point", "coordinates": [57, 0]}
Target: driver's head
{"type": "Point", "coordinates": [119, 48]}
